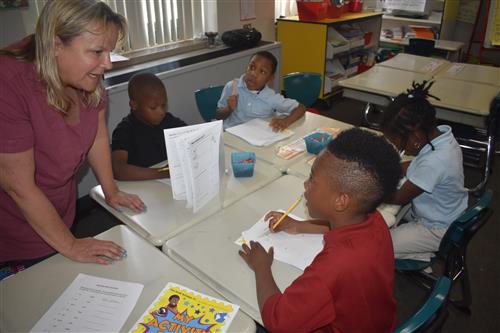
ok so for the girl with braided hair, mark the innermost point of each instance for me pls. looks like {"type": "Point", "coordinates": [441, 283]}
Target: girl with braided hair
{"type": "Point", "coordinates": [434, 182]}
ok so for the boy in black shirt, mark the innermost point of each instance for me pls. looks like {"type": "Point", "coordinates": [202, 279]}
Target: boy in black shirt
{"type": "Point", "coordinates": [138, 140]}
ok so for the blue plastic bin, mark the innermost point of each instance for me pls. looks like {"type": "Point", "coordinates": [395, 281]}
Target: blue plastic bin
{"type": "Point", "coordinates": [240, 161]}
{"type": "Point", "coordinates": [316, 142]}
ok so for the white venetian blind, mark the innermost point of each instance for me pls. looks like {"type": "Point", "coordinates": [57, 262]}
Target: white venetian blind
{"type": "Point", "coordinates": [157, 22]}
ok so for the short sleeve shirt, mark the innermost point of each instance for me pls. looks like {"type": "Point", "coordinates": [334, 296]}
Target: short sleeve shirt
{"type": "Point", "coordinates": [347, 288]}
{"type": "Point", "coordinates": [439, 173]}
{"type": "Point", "coordinates": [144, 143]}
{"type": "Point", "coordinates": [28, 122]}
{"type": "Point", "coordinates": [260, 104]}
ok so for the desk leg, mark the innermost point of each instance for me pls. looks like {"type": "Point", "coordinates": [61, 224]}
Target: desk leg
{"type": "Point", "coordinates": [490, 152]}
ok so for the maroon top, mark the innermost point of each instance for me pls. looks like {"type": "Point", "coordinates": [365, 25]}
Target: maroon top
{"type": "Point", "coordinates": [27, 121]}
{"type": "Point", "coordinates": [347, 288]}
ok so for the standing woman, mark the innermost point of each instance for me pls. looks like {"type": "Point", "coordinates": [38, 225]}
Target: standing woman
{"type": "Point", "coordinates": [52, 117]}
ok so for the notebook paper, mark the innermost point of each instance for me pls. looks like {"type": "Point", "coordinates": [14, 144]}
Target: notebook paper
{"type": "Point", "coordinates": [91, 304]}
{"type": "Point", "coordinates": [257, 132]}
{"type": "Point", "coordinates": [296, 250]}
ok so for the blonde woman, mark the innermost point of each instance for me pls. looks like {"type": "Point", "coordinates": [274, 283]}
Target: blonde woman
{"type": "Point", "coordinates": [52, 117]}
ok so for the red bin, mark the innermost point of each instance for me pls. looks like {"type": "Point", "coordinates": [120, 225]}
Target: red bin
{"type": "Point", "coordinates": [311, 11]}
{"type": "Point", "coordinates": [334, 11]}
{"type": "Point", "coordinates": [356, 6]}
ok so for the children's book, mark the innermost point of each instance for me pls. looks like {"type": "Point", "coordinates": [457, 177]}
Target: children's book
{"type": "Point", "coordinates": [180, 309]}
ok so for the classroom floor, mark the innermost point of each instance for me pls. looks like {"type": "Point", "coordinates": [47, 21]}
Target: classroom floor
{"type": "Point", "coordinates": [483, 255]}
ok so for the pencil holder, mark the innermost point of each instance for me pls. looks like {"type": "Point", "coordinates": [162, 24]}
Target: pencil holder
{"type": "Point", "coordinates": [243, 163]}
{"type": "Point", "coordinates": [315, 142]}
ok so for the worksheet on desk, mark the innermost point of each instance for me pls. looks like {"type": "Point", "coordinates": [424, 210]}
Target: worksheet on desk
{"type": "Point", "coordinates": [91, 304]}
{"type": "Point", "coordinates": [257, 132]}
{"type": "Point", "coordinates": [297, 250]}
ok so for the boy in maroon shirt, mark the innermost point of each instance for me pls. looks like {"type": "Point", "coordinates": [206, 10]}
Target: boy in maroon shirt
{"type": "Point", "coordinates": [349, 285]}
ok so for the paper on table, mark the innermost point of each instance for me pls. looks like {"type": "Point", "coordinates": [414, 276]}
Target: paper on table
{"type": "Point", "coordinates": [91, 304]}
{"type": "Point", "coordinates": [296, 250]}
{"type": "Point", "coordinates": [455, 68]}
{"type": "Point", "coordinates": [193, 153]}
{"type": "Point", "coordinates": [115, 57]}
{"type": "Point", "coordinates": [257, 132]}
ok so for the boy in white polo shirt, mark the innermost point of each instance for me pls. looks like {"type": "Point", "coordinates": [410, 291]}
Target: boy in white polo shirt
{"type": "Point", "coordinates": [249, 96]}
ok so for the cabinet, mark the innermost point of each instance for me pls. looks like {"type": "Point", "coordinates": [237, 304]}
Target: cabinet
{"type": "Point", "coordinates": [311, 46]}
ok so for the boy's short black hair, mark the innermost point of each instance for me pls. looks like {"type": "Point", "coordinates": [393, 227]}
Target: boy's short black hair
{"type": "Point", "coordinates": [371, 168]}
{"type": "Point", "coordinates": [269, 56]}
{"type": "Point", "coordinates": [173, 296]}
{"type": "Point", "coordinates": [141, 82]}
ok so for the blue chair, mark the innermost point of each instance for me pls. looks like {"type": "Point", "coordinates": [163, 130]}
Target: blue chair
{"type": "Point", "coordinates": [206, 101]}
{"type": "Point", "coordinates": [452, 250]}
{"type": "Point", "coordinates": [303, 87]}
{"type": "Point", "coordinates": [432, 315]}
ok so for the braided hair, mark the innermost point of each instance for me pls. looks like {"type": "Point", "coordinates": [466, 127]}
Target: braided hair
{"type": "Point", "coordinates": [410, 111]}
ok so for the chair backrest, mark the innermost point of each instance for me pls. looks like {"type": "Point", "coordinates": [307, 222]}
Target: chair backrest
{"type": "Point", "coordinates": [420, 46]}
{"type": "Point", "coordinates": [462, 229]}
{"type": "Point", "coordinates": [206, 101]}
{"type": "Point", "coordinates": [303, 87]}
{"type": "Point", "coordinates": [433, 313]}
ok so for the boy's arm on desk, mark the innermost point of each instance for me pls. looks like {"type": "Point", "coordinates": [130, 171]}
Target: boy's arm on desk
{"type": "Point", "coordinates": [124, 171]}
{"type": "Point", "coordinates": [279, 124]}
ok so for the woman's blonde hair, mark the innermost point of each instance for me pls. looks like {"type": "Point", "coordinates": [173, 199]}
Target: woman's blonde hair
{"type": "Point", "coordinates": [65, 19]}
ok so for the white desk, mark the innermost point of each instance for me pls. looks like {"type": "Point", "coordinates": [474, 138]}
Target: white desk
{"type": "Point", "coordinates": [226, 271]}
{"type": "Point", "coordinates": [165, 217]}
{"type": "Point", "coordinates": [471, 73]}
{"type": "Point", "coordinates": [307, 124]}
{"type": "Point", "coordinates": [450, 46]}
{"type": "Point", "coordinates": [414, 63]}
{"type": "Point", "coordinates": [461, 101]}
{"type": "Point", "coordinates": [26, 296]}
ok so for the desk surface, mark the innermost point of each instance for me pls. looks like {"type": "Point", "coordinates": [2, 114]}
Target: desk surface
{"type": "Point", "coordinates": [413, 63]}
{"type": "Point", "coordinates": [384, 80]}
{"type": "Point", "coordinates": [307, 124]}
{"type": "Point", "coordinates": [165, 217]}
{"type": "Point", "coordinates": [441, 44]}
{"type": "Point", "coordinates": [29, 294]}
{"type": "Point", "coordinates": [192, 247]}
{"type": "Point", "coordinates": [471, 73]}
{"type": "Point", "coordinates": [464, 96]}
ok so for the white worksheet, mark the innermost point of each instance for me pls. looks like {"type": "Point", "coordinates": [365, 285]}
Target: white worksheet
{"type": "Point", "coordinates": [257, 132]}
{"type": "Point", "coordinates": [91, 304]}
{"type": "Point", "coordinates": [194, 153]}
{"type": "Point", "coordinates": [296, 250]}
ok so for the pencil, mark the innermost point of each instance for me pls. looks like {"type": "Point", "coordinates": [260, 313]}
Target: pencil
{"type": "Point", "coordinates": [234, 87]}
{"type": "Point", "coordinates": [163, 169]}
{"type": "Point", "coordinates": [288, 211]}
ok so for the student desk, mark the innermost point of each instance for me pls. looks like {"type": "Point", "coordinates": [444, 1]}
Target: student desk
{"type": "Point", "coordinates": [471, 73]}
{"type": "Point", "coordinates": [450, 46]}
{"type": "Point", "coordinates": [164, 217]}
{"type": "Point", "coordinates": [208, 250]}
{"type": "Point", "coordinates": [414, 63]}
{"type": "Point", "coordinates": [27, 295]}
{"type": "Point", "coordinates": [307, 124]}
{"type": "Point", "coordinates": [462, 102]}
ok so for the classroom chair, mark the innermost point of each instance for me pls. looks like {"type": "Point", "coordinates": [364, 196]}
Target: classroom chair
{"type": "Point", "coordinates": [303, 87]}
{"type": "Point", "coordinates": [420, 46]}
{"type": "Point", "coordinates": [206, 101]}
{"type": "Point", "coordinates": [452, 251]}
{"type": "Point", "coordinates": [432, 315]}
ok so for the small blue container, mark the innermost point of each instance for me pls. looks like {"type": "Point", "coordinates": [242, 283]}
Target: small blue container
{"type": "Point", "coordinates": [316, 142]}
{"type": "Point", "coordinates": [243, 163]}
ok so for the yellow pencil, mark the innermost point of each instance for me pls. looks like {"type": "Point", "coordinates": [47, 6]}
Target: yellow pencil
{"type": "Point", "coordinates": [288, 211]}
{"type": "Point", "coordinates": [163, 169]}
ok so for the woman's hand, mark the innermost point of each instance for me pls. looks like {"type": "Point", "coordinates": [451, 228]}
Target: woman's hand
{"type": "Point", "coordinates": [122, 199]}
{"type": "Point", "coordinates": [288, 225]}
{"type": "Point", "coordinates": [91, 250]}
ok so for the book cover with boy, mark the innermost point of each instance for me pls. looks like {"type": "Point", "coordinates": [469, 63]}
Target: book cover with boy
{"type": "Point", "coordinates": [180, 309]}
